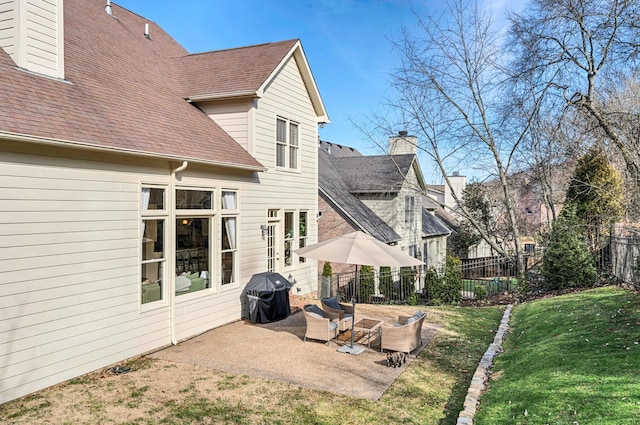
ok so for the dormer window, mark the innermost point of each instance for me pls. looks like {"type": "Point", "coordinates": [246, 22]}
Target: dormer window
{"type": "Point", "coordinates": [287, 146]}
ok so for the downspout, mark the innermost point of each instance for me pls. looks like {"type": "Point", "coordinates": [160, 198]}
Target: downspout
{"type": "Point", "coordinates": [172, 258]}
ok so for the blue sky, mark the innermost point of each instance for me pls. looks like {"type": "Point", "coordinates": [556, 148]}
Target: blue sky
{"type": "Point", "coordinates": [347, 44]}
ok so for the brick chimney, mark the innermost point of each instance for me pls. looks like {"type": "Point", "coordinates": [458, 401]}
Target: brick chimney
{"type": "Point", "coordinates": [403, 144]}
{"type": "Point", "coordinates": [34, 35]}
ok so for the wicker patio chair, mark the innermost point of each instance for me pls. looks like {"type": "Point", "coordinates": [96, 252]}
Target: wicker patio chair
{"type": "Point", "coordinates": [405, 336]}
{"type": "Point", "coordinates": [341, 312]}
{"type": "Point", "coordinates": [319, 324]}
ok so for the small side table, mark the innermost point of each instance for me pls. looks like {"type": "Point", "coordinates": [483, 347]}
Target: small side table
{"type": "Point", "coordinates": [368, 326]}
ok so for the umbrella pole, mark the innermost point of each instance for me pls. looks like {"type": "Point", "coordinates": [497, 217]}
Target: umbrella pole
{"type": "Point", "coordinates": [353, 304]}
{"type": "Point", "coordinates": [352, 349]}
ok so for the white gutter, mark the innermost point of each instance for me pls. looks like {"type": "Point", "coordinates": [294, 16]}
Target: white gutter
{"type": "Point", "coordinates": [246, 94]}
{"type": "Point", "coordinates": [5, 135]}
{"type": "Point", "coordinates": [172, 258]}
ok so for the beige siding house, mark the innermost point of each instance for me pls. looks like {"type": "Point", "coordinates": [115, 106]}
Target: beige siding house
{"type": "Point", "coordinates": [141, 187]}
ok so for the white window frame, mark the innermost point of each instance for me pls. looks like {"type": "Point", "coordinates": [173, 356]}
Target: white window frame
{"type": "Point", "coordinates": [303, 238]}
{"type": "Point", "coordinates": [159, 215]}
{"type": "Point", "coordinates": [231, 213]}
{"type": "Point", "coordinates": [287, 144]}
{"type": "Point", "coordinates": [291, 239]}
{"type": "Point", "coordinates": [209, 213]}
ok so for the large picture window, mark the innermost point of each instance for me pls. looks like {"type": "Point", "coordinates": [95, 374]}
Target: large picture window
{"type": "Point", "coordinates": [287, 143]}
{"type": "Point", "coordinates": [194, 218]}
{"type": "Point", "coordinates": [153, 255]}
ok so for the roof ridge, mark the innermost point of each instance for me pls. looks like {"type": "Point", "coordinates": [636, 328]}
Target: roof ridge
{"type": "Point", "coordinates": [229, 49]}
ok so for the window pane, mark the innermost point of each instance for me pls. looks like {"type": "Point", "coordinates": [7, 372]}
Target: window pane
{"type": "Point", "coordinates": [228, 267]}
{"type": "Point", "coordinates": [229, 200]}
{"type": "Point", "coordinates": [280, 150]}
{"type": "Point", "coordinates": [194, 199]}
{"type": "Point", "coordinates": [302, 242]}
{"type": "Point", "coordinates": [228, 233]}
{"type": "Point", "coordinates": [288, 237]}
{"type": "Point", "coordinates": [151, 282]}
{"type": "Point", "coordinates": [152, 239]}
{"type": "Point", "coordinates": [303, 224]}
{"type": "Point", "coordinates": [192, 253]}
{"type": "Point", "coordinates": [293, 134]}
{"type": "Point", "coordinates": [293, 158]}
{"type": "Point", "coordinates": [152, 198]}
{"type": "Point", "coordinates": [281, 131]}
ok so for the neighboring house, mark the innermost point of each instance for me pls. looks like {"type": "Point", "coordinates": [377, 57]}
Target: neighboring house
{"type": "Point", "coordinates": [437, 225]}
{"type": "Point", "coordinates": [125, 164]}
{"type": "Point", "coordinates": [381, 195]}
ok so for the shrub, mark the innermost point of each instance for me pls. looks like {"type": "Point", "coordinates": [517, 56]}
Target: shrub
{"type": "Point", "coordinates": [566, 262]}
{"type": "Point", "coordinates": [446, 289]}
{"type": "Point", "coordinates": [480, 292]}
{"type": "Point", "coordinates": [386, 282]}
{"type": "Point", "coordinates": [407, 282]}
{"type": "Point", "coordinates": [326, 269]}
{"type": "Point", "coordinates": [367, 283]}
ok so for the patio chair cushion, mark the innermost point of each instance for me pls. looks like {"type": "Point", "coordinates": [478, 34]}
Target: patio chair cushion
{"type": "Point", "coordinates": [332, 302]}
{"type": "Point", "coordinates": [315, 311]}
{"type": "Point", "coordinates": [416, 316]}
{"type": "Point", "coordinates": [332, 326]}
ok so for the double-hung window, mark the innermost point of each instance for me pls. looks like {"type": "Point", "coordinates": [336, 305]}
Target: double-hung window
{"type": "Point", "coordinates": [153, 255]}
{"type": "Point", "coordinates": [410, 211]}
{"type": "Point", "coordinates": [229, 231]}
{"type": "Point", "coordinates": [287, 143]}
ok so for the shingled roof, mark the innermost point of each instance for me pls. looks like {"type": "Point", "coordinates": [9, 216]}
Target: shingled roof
{"type": "Point", "coordinates": [225, 72]}
{"type": "Point", "coordinates": [333, 190]}
{"type": "Point", "coordinates": [121, 93]}
{"type": "Point", "coordinates": [432, 225]}
{"type": "Point", "coordinates": [374, 174]}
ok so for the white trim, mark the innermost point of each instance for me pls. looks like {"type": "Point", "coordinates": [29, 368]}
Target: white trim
{"type": "Point", "coordinates": [98, 148]}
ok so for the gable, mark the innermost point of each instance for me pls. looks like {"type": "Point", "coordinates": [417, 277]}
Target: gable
{"type": "Point", "coordinates": [244, 72]}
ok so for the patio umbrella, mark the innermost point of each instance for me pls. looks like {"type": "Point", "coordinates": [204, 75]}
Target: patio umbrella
{"type": "Point", "coordinates": [357, 248]}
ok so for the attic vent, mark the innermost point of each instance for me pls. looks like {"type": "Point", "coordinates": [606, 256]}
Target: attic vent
{"type": "Point", "coordinates": [107, 8]}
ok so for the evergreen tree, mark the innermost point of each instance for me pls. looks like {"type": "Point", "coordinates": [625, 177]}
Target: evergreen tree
{"type": "Point", "coordinates": [567, 262]}
{"type": "Point", "coordinates": [596, 193]}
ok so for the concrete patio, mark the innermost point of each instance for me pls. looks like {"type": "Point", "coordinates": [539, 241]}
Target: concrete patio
{"type": "Point", "coordinates": [277, 351]}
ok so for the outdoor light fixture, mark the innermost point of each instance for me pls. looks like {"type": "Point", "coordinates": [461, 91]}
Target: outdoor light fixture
{"type": "Point", "coordinates": [292, 281]}
{"type": "Point", "coordinates": [263, 229]}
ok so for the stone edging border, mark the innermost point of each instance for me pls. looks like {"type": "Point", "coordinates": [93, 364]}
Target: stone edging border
{"type": "Point", "coordinates": [483, 371]}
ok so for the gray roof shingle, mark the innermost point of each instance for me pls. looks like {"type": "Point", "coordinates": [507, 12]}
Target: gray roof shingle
{"type": "Point", "coordinates": [374, 174]}
{"type": "Point", "coordinates": [333, 190]}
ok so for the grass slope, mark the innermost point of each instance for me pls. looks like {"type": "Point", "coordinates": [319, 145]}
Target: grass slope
{"type": "Point", "coordinates": [573, 359]}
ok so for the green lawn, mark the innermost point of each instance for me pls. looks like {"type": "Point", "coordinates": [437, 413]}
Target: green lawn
{"type": "Point", "coordinates": [573, 359]}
